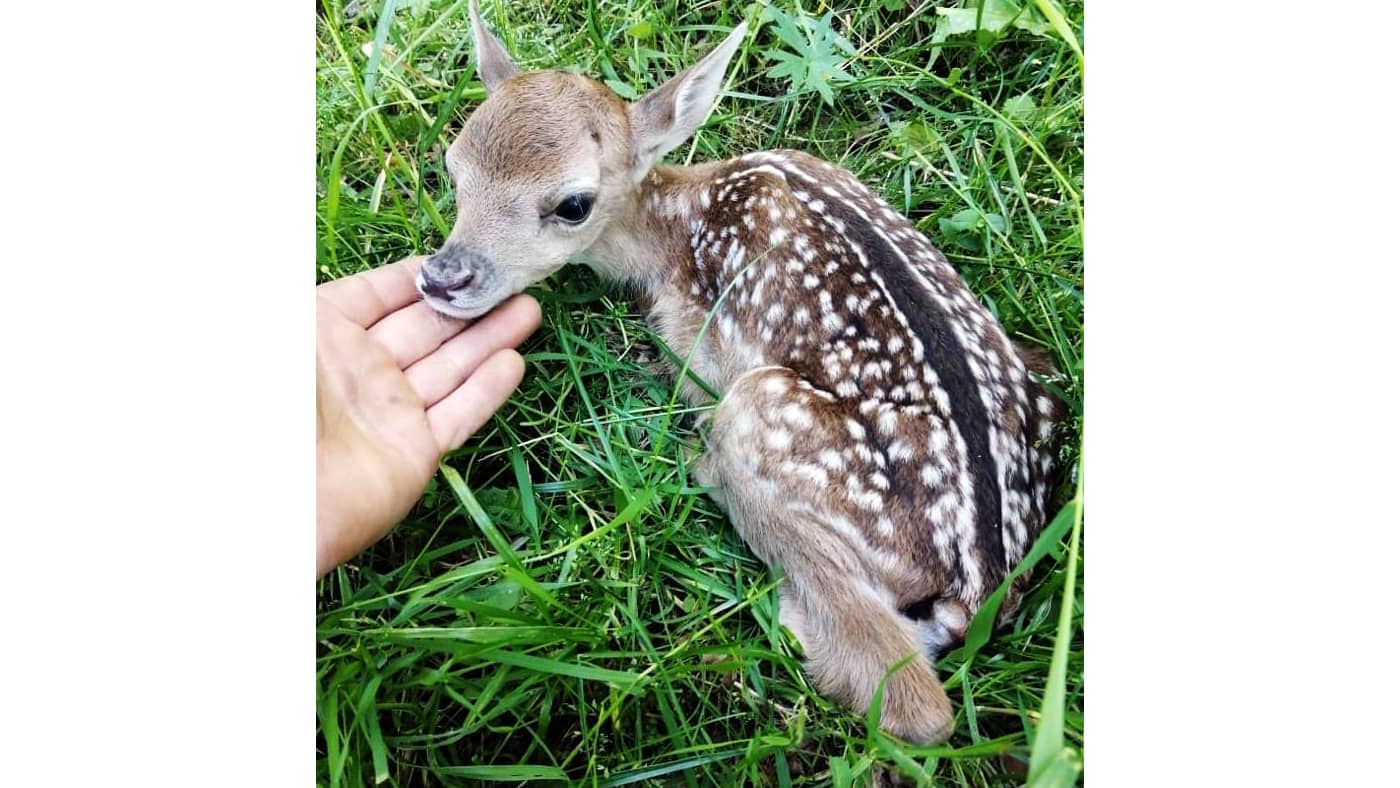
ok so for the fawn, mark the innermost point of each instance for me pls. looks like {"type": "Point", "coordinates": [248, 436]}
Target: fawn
{"type": "Point", "coordinates": [879, 440]}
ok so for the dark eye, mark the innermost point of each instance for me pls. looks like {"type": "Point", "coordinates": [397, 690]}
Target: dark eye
{"type": "Point", "coordinates": [574, 208]}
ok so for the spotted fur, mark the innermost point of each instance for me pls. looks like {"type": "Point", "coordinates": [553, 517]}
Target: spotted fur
{"type": "Point", "coordinates": [880, 440]}
{"type": "Point", "coordinates": [914, 417]}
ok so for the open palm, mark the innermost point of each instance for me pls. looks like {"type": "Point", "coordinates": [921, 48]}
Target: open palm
{"type": "Point", "coordinates": [398, 384]}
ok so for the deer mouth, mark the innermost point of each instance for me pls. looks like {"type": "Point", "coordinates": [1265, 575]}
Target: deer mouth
{"type": "Point", "coordinates": [451, 310]}
{"type": "Point", "coordinates": [468, 302]}
{"type": "Point", "coordinates": [464, 306]}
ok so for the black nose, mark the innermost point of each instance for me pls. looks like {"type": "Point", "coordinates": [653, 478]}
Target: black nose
{"type": "Point", "coordinates": [443, 273]}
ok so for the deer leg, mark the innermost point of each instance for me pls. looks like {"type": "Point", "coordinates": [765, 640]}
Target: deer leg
{"type": "Point", "coordinates": [834, 604]}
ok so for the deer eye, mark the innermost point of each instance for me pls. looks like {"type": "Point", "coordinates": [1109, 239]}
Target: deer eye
{"type": "Point", "coordinates": [574, 208]}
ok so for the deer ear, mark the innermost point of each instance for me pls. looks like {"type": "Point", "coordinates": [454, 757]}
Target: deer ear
{"type": "Point", "coordinates": [665, 117]}
{"type": "Point", "coordinates": [493, 65]}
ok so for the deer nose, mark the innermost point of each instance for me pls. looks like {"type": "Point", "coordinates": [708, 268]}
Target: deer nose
{"type": "Point", "coordinates": [441, 275]}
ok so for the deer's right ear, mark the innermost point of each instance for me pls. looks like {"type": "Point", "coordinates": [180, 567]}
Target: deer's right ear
{"type": "Point", "coordinates": [665, 117]}
{"type": "Point", "coordinates": [493, 65]}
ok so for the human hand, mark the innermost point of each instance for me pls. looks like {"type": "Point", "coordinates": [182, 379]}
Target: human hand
{"type": "Point", "coordinates": [398, 384]}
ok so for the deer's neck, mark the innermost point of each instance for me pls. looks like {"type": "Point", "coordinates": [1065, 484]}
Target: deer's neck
{"type": "Point", "coordinates": [648, 239]}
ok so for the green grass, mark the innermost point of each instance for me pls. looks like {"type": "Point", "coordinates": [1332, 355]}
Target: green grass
{"type": "Point", "coordinates": [563, 605]}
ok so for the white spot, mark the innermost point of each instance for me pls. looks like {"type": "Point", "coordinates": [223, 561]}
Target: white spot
{"type": "Point", "coordinates": [867, 500]}
{"type": "Point", "coordinates": [899, 450]}
{"type": "Point", "coordinates": [930, 475]}
{"type": "Point", "coordinates": [938, 441]}
{"type": "Point", "coordinates": [796, 415]}
{"type": "Point", "coordinates": [812, 473]}
{"type": "Point", "coordinates": [941, 398]}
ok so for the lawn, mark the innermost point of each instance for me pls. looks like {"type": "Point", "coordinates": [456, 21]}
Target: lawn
{"type": "Point", "coordinates": [563, 605]}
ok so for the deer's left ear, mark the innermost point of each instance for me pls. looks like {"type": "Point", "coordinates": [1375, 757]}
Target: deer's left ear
{"type": "Point", "coordinates": [493, 65]}
{"type": "Point", "coordinates": [665, 117]}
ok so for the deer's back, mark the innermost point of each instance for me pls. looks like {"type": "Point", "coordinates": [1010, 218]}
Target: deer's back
{"type": "Point", "coordinates": [814, 272]}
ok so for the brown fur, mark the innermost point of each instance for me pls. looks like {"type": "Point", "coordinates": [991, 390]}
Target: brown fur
{"type": "Point", "coordinates": [879, 440]}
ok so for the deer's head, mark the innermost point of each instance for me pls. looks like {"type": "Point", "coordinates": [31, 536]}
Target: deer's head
{"type": "Point", "coordinates": [545, 163]}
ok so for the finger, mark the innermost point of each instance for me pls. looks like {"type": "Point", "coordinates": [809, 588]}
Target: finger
{"type": "Point", "coordinates": [370, 295]}
{"type": "Point", "coordinates": [438, 373]}
{"type": "Point", "coordinates": [461, 413]}
{"type": "Point", "coordinates": [415, 331]}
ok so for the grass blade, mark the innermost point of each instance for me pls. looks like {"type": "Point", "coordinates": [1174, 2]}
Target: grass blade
{"type": "Point", "coordinates": [527, 491]}
{"type": "Point", "coordinates": [497, 635]}
{"type": "Point", "coordinates": [1053, 12]}
{"type": "Point", "coordinates": [368, 713]}
{"type": "Point", "coordinates": [329, 709]}
{"type": "Point", "coordinates": [652, 772]}
{"type": "Point", "coordinates": [512, 773]}
{"type": "Point", "coordinates": [544, 665]}
{"type": "Point", "coordinates": [479, 516]}
{"type": "Point", "coordinates": [381, 34]}
{"type": "Point", "coordinates": [1048, 748]}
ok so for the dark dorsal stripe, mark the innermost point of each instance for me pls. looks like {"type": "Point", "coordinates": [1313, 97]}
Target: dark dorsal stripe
{"type": "Point", "coordinates": [949, 360]}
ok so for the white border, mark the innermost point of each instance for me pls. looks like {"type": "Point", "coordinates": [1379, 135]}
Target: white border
{"type": "Point", "coordinates": [157, 396]}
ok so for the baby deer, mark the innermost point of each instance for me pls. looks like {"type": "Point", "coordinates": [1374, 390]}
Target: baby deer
{"type": "Point", "coordinates": [879, 439]}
